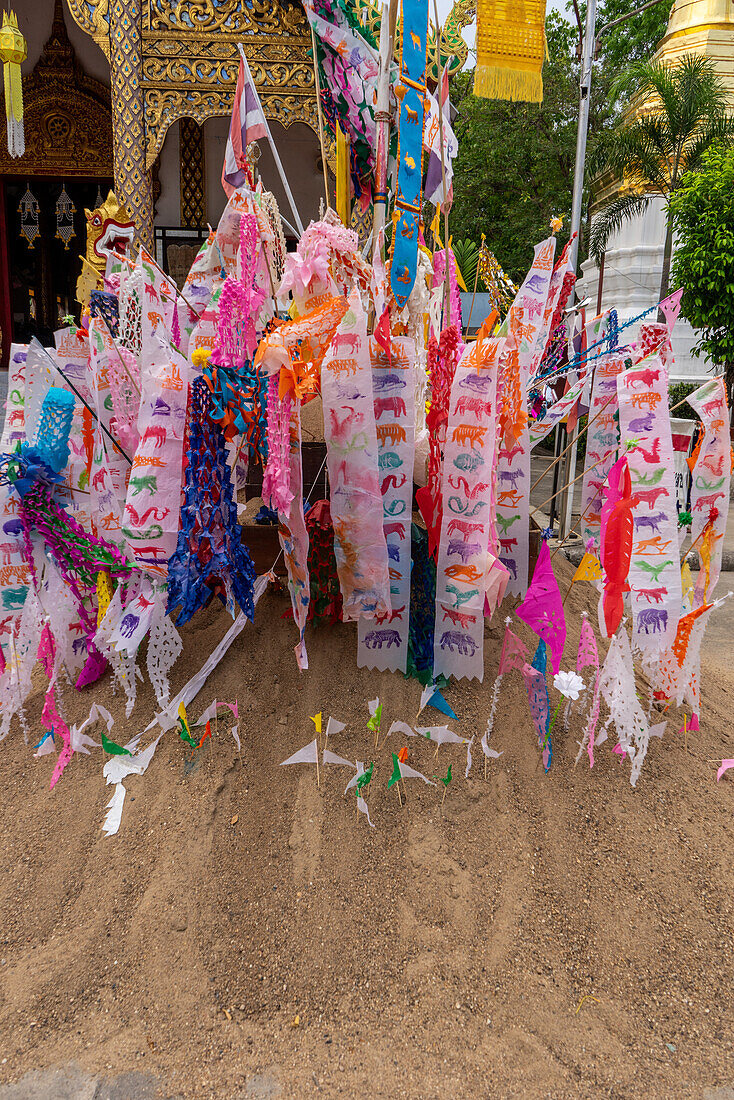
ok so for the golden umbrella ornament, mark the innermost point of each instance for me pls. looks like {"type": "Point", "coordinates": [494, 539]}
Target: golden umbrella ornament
{"type": "Point", "coordinates": [13, 52]}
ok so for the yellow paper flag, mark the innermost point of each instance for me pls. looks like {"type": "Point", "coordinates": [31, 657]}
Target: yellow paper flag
{"type": "Point", "coordinates": [343, 177]}
{"type": "Point", "coordinates": [316, 719]}
{"type": "Point", "coordinates": [589, 569]}
{"type": "Point", "coordinates": [104, 594]}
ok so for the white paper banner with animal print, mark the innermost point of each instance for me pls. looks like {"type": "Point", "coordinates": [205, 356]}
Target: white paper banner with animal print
{"type": "Point", "coordinates": [351, 441]}
{"type": "Point", "coordinates": [654, 575]}
{"type": "Point", "coordinates": [14, 575]}
{"type": "Point", "coordinates": [154, 491]}
{"type": "Point", "coordinates": [461, 573]}
{"type": "Point", "coordinates": [72, 356]}
{"type": "Point", "coordinates": [109, 469]}
{"type": "Point", "coordinates": [293, 535]}
{"type": "Point", "coordinates": [602, 441]}
{"type": "Point", "coordinates": [711, 481]}
{"type": "Point", "coordinates": [512, 512]}
{"type": "Point", "coordinates": [383, 641]}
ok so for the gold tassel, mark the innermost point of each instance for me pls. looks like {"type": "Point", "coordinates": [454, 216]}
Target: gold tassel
{"type": "Point", "coordinates": [510, 50]}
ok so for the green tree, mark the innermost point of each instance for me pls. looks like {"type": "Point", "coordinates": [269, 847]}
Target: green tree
{"type": "Point", "coordinates": [514, 168]}
{"type": "Point", "coordinates": [702, 210]}
{"type": "Point", "coordinates": [634, 40]}
{"type": "Point", "coordinates": [684, 115]}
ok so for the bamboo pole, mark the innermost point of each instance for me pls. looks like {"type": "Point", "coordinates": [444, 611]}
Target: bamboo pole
{"type": "Point", "coordinates": [321, 117]}
{"type": "Point", "coordinates": [444, 207]}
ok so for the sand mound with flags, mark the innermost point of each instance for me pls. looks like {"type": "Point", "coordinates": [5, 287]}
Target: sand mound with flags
{"type": "Point", "coordinates": [559, 934]}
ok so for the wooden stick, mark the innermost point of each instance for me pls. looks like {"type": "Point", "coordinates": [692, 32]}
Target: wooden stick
{"type": "Point", "coordinates": [321, 118]}
{"type": "Point", "coordinates": [570, 445]}
{"type": "Point", "coordinates": [119, 355]}
{"type": "Point", "coordinates": [318, 781]}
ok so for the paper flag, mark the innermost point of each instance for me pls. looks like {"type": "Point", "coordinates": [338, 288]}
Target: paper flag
{"type": "Point", "coordinates": [79, 739]}
{"type": "Point", "coordinates": [447, 780]}
{"type": "Point", "coordinates": [333, 727]}
{"type": "Point", "coordinates": [309, 754]}
{"type": "Point", "coordinates": [236, 734]}
{"type": "Point", "coordinates": [542, 608]}
{"type": "Point", "coordinates": [439, 703]}
{"type": "Point", "coordinates": [362, 807]}
{"type": "Point", "coordinates": [355, 778]}
{"type": "Point", "coordinates": [316, 719]}
{"type": "Point", "coordinates": [113, 748]}
{"type": "Point", "coordinates": [120, 767]}
{"type": "Point", "coordinates": [589, 569]}
{"type": "Point", "coordinates": [375, 708]}
{"type": "Point", "coordinates": [468, 758]}
{"type": "Point", "coordinates": [442, 735]}
{"type": "Point", "coordinates": [402, 727]}
{"type": "Point", "coordinates": [332, 758]}
{"type": "Point", "coordinates": [46, 745]}
{"type": "Point", "coordinates": [364, 778]}
{"type": "Point", "coordinates": [206, 734]}
{"type": "Point", "coordinates": [491, 753]}
{"type": "Point", "coordinates": [725, 765]}
{"type": "Point", "coordinates": [404, 771]}
{"type": "Point", "coordinates": [671, 308]}
{"type": "Point", "coordinates": [113, 817]}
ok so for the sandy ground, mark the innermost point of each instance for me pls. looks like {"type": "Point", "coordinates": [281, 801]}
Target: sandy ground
{"type": "Point", "coordinates": [248, 935]}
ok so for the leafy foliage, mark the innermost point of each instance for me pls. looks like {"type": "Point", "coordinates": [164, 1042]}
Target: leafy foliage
{"type": "Point", "coordinates": [634, 40]}
{"type": "Point", "coordinates": [514, 168]}
{"type": "Point", "coordinates": [466, 254]}
{"type": "Point", "coordinates": [703, 215]}
{"type": "Point", "coordinates": [685, 113]}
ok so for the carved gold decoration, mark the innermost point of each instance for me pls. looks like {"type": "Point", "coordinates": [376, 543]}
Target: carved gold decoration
{"type": "Point", "coordinates": [190, 58]}
{"type": "Point", "coordinates": [191, 161]}
{"type": "Point", "coordinates": [107, 225]}
{"type": "Point", "coordinates": [68, 123]}
{"type": "Point", "coordinates": [132, 178]}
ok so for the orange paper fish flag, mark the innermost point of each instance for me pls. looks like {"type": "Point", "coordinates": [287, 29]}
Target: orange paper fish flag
{"type": "Point", "coordinates": [207, 733]}
{"type": "Point", "coordinates": [403, 755]}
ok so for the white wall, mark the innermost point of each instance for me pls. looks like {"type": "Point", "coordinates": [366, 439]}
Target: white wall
{"type": "Point", "coordinates": [298, 147]}
{"type": "Point", "coordinates": [34, 21]}
{"type": "Point", "coordinates": [632, 269]}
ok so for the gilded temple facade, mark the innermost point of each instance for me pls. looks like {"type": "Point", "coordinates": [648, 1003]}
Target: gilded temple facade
{"type": "Point", "coordinates": [137, 95]}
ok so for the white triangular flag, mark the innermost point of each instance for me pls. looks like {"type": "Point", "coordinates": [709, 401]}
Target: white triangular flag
{"type": "Point", "coordinates": [441, 735]}
{"type": "Point", "coordinates": [362, 807]}
{"type": "Point", "coordinates": [426, 695]}
{"type": "Point", "coordinates": [491, 753]}
{"type": "Point", "coordinates": [658, 730]}
{"type": "Point", "coordinates": [79, 739]}
{"type": "Point", "coordinates": [236, 735]}
{"type": "Point", "coordinates": [45, 746]}
{"type": "Point", "coordinates": [410, 773]}
{"type": "Point", "coordinates": [373, 704]}
{"type": "Point", "coordinates": [332, 758]}
{"type": "Point", "coordinates": [118, 768]}
{"type": "Point", "coordinates": [209, 714]}
{"type": "Point", "coordinates": [468, 758]}
{"type": "Point", "coordinates": [113, 817]}
{"type": "Point", "coordinates": [309, 754]}
{"type": "Point", "coordinates": [353, 781]}
{"type": "Point", "coordinates": [333, 727]}
{"type": "Point", "coordinates": [402, 727]}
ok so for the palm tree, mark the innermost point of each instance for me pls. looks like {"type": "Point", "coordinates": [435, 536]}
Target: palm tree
{"type": "Point", "coordinates": [681, 110]}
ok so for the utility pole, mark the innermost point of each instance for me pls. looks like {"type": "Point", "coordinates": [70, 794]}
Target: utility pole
{"type": "Point", "coordinates": [587, 56]}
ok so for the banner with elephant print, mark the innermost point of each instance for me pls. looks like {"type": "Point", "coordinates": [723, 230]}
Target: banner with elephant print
{"type": "Point", "coordinates": [654, 574]}
{"type": "Point", "coordinates": [463, 560]}
{"type": "Point", "coordinates": [383, 641]}
{"type": "Point", "coordinates": [711, 483]}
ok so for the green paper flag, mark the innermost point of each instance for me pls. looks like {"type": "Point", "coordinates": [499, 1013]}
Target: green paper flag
{"type": "Point", "coordinates": [365, 779]}
{"type": "Point", "coordinates": [447, 780]}
{"type": "Point", "coordinates": [374, 722]}
{"type": "Point", "coordinates": [113, 748]}
{"type": "Point", "coordinates": [396, 773]}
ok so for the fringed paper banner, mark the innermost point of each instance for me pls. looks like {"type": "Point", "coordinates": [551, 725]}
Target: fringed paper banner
{"type": "Point", "coordinates": [154, 491]}
{"type": "Point", "coordinates": [602, 441]}
{"type": "Point", "coordinates": [711, 483]}
{"type": "Point", "coordinates": [510, 51]}
{"type": "Point", "coordinates": [14, 575]}
{"type": "Point", "coordinates": [654, 575]}
{"type": "Point", "coordinates": [383, 644]}
{"type": "Point", "coordinates": [108, 469]}
{"type": "Point", "coordinates": [672, 673]}
{"type": "Point", "coordinates": [512, 514]}
{"type": "Point", "coordinates": [561, 284]}
{"type": "Point", "coordinates": [293, 538]}
{"type": "Point", "coordinates": [461, 576]}
{"type": "Point", "coordinates": [618, 689]}
{"type": "Point", "coordinates": [351, 440]}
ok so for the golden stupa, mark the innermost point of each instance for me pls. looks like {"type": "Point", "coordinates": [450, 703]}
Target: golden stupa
{"type": "Point", "coordinates": [701, 27]}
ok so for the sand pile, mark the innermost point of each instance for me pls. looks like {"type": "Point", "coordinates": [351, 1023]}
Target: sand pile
{"type": "Point", "coordinates": [440, 954]}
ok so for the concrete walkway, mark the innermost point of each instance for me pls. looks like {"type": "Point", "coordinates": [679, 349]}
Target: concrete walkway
{"type": "Point", "coordinates": [71, 1083]}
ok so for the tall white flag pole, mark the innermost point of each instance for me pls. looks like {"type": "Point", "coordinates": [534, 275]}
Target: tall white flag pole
{"type": "Point", "coordinates": [276, 157]}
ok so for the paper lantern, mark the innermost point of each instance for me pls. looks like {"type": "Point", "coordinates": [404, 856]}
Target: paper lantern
{"type": "Point", "coordinates": [13, 51]}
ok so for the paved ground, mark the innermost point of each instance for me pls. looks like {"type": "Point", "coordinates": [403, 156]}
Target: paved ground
{"type": "Point", "coordinates": [71, 1083]}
